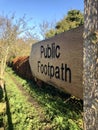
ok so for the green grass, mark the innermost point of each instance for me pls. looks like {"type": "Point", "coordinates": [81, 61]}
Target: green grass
{"type": "Point", "coordinates": [21, 114]}
{"type": "Point", "coordinates": [61, 112]}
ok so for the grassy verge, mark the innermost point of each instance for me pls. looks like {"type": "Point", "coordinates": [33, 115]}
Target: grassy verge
{"type": "Point", "coordinates": [21, 114]}
{"type": "Point", "coordinates": [62, 112]}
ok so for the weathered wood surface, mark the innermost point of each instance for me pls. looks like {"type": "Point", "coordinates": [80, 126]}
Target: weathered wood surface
{"type": "Point", "coordinates": [59, 61]}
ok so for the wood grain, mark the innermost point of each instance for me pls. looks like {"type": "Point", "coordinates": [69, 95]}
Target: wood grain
{"type": "Point", "coordinates": [71, 53]}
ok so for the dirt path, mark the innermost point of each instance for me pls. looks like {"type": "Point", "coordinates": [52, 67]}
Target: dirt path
{"type": "Point", "coordinates": [30, 99]}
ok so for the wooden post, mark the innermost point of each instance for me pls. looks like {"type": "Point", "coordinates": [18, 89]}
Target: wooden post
{"type": "Point", "coordinates": [90, 65]}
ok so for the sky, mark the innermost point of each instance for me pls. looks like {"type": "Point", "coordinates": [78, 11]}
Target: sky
{"type": "Point", "coordinates": [40, 10]}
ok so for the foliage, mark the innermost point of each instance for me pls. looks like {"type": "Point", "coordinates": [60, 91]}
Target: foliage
{"type": "Point", "coordinates": [73, 19]}
{"type": "Point", "coordinates": [61, 112]}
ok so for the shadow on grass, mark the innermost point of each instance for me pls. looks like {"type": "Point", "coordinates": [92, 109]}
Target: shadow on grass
{"type": "Point", "coordinates": [61, 109]}
{"type": "Point", "coordinates": [56, 99]}
{"type": "Point", "coordinates": [1, 99]}
{"type": "Point", "coordinates": [1, 93]}
{"type": "Point", "coordinates": [9, 118]}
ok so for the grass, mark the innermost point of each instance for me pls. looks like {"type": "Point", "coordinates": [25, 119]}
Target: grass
{"type": "Point", "coordinates": [61, 111]}
{"type": "Point", "coordinates": [21, 114]}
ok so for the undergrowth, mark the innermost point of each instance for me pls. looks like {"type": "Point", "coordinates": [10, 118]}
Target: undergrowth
{"type": "Point", "coordinates": [62, 111]}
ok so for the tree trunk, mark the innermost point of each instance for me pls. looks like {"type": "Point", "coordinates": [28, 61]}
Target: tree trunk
{"type": "Point", "coordinates": [3, 62]}
{"type": "Point", "coordinates": [90, 65]}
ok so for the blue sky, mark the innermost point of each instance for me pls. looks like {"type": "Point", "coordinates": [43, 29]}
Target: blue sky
{"type": "Point", "coordinates": [40, 10]}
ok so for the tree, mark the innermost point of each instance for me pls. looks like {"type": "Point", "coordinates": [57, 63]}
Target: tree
{"type": "Point", "coordinates": [10, 31]}
{"type": "Point", "coordinates": [45, 26]}
{"type": "Point", "coordinates": [90, 62]}
{"type": "Point", "coordinates": [73, 19]}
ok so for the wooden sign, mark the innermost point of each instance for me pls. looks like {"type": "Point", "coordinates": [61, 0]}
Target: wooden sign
{"type": "Point", "coordinates": [59, 61]}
